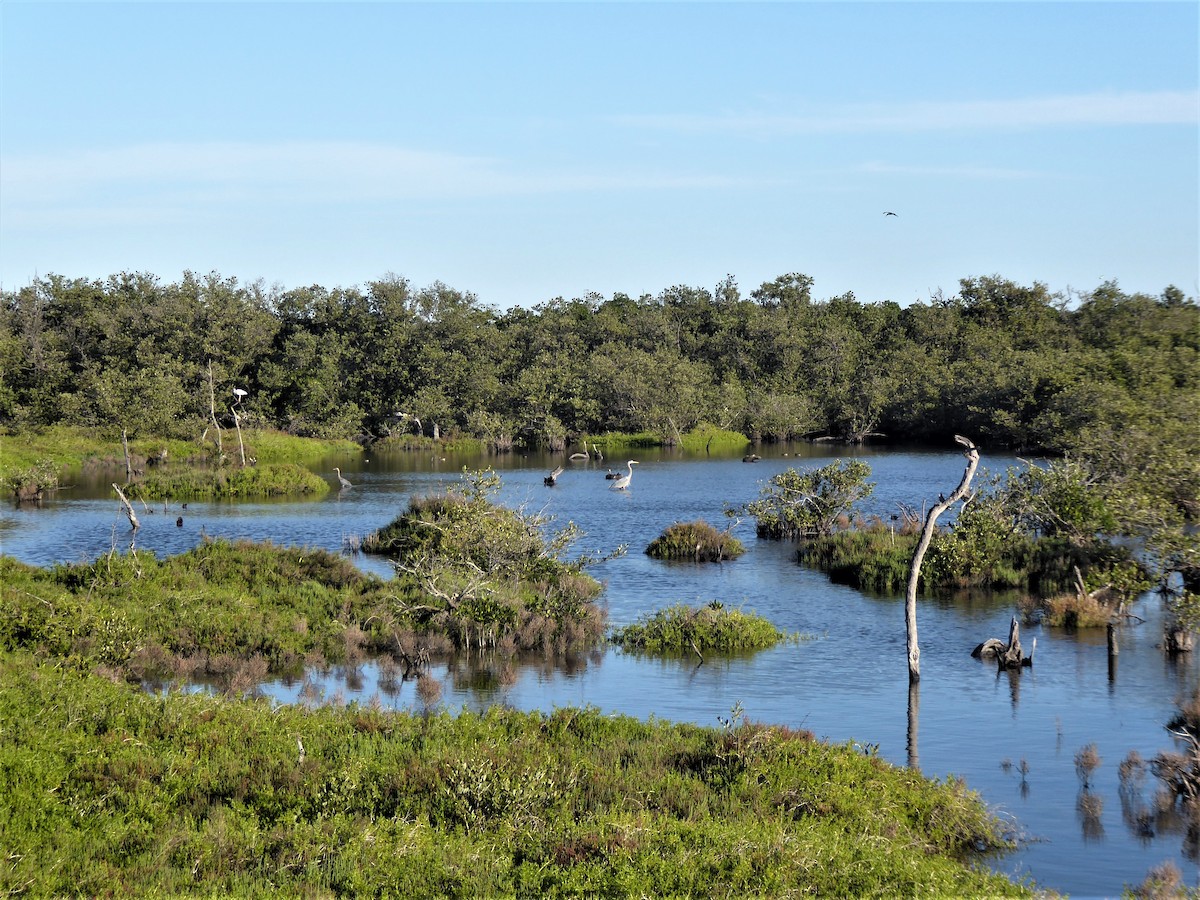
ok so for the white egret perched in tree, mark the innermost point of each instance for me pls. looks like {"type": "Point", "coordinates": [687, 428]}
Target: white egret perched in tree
{"type": "Point", "coordinates": [344, 483]}
{"type": "Point", "coordinates": [623, 482]}
{"type": "Point", "coordinates": [239, 393]}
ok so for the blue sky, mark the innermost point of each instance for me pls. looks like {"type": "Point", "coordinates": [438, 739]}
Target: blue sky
{"type": "Point", "coordinates": [528, 151]}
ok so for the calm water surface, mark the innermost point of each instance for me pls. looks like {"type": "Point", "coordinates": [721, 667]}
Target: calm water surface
{"type": "Point", "coordinates": [847, 683]}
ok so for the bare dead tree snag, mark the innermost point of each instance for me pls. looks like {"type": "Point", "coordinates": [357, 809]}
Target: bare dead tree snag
{"type": "Point", "coordinates": [914, 571]}
{"type": "Point", "coordinates": [238, 425]}
{"type": "Point", "coordinates": [128, 461]}
{"type": "Point", "coordinates": [133, 519]}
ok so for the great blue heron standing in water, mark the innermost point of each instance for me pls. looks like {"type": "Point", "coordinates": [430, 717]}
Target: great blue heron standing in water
{"type": "Point", "coordinates": [342, 481]}
{"type": "Point", "coordinates": [623, 482]}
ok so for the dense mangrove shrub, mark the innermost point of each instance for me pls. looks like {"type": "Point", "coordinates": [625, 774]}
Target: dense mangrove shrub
{"type": "Point", "coordinates": [808, 504]}
{"type": "Point", "coordinates": [107, 790]}
{"type": "Point", "coordinates": [681, 628]}
{"type": "Point", "coordinates": [876, 558]}
{"type": "Point", "coordinates": [695, 540]}
{"type": "Point", "coordinates": [488, 576]}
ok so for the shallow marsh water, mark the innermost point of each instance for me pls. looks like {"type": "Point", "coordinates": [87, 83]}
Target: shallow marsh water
{"type": "Point", "coordinates": [1011, 737]}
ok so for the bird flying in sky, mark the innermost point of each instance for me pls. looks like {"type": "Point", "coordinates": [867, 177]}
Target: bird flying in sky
{"type": "Point", "coordinates": [889, 213]}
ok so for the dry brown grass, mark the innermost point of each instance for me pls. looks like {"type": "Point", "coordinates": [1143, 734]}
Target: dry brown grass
{"type": "Point", "coordinates": [1074, 611]}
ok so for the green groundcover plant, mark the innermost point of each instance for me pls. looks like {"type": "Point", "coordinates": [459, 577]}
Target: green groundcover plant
{"type": "Point", "coordinates": [106, 790]}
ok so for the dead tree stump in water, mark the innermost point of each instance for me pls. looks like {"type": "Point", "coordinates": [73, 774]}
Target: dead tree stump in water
{"type": "Point", "coordinates": [1007, 656]}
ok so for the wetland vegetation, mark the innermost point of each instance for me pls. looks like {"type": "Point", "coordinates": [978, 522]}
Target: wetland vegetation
{"type": "Point", "coordinates": [208, 388]}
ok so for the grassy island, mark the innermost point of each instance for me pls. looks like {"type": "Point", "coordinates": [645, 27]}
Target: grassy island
{"type": "Point", "coordinates": [682, 629]}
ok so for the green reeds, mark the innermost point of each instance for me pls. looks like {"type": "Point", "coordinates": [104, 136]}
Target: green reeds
{"type": "Point", "coordinates": [272, 480]}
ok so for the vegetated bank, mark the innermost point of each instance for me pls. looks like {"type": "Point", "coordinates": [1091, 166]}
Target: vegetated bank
{"type": "Point", "coordinates": [109, 788]}
{"type": "Point", "coordinates": [1073, 532]}
{"type": "Point", "coordinates": [259, 463]}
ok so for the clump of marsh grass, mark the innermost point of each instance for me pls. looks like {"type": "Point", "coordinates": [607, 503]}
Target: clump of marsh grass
{"type": "Point", "coordinates": [1163, 882]}
{"type": "Point", "coordinates": [680, 628]}
{"type": "Point", "coordinates": [273, 480]}
{"type": "Point", "coordinates": [1075, 610]}
{"type": "Point", "coordinates": [874, 558]}
{"type": "Point", "coordinates": [695, 540]}
{"type": "Point", "coordinates": [1087, 760]}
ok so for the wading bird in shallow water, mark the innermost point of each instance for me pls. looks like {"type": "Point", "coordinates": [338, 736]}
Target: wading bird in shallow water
{"type": "Point", "coordinates": [623, 482]}
{"type": "Point", "coordinates": [342, 481]}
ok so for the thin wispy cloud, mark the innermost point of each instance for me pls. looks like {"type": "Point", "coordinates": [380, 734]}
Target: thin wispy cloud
{"type": "Point", "coordinates": [1067, 110]}
{"type": "Point", "coordinates": [985, 173]}
{"type": "Point", "coordinates": [182, 174]}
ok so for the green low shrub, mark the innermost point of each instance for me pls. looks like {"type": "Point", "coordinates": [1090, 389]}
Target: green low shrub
{"type": "Point", "coordinates": [487, 576]}
{"type": "Point", "coordinates": [707, 438]}
{"type": "Point", "coordinates": [107, 790]}
{"type": "Point", "coordinates": [695, 540]}
{"type": "Point", "coordinates": [873, 559]}
{"type": "Point", "coordinates": [681, 628]}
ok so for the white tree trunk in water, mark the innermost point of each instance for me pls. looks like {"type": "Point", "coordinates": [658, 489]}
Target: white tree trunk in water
{"type": "Point", "coordinates": [914, 571]}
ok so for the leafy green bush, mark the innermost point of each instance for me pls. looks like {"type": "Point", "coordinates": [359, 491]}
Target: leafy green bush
{"type": "Point", "coordinates": [680, 628]}
{"type": "Point", "coordinates": [872, 559]}
{"type": "Point", "coordinates": [695, 540]}
{"type": "Point", "coordinates": [488, 576]}
{"type": "Point", "coordinates": [33, 482]}
{"type": "Point", "coordinates": [808, 504]}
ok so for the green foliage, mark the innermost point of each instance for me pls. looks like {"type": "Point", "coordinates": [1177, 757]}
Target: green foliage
{"type": "Point", "coordinates": [489, 576]}
{"type": "Point", "coordinates": [697, 541]}
{"type": "Point", "coordinates": [1008, 362]}
{"type": "Point", "coordinates": [681, 628]}
{"type": "Point", "coordinates": [139, 615]}
{"type": "Point", "coordinates": [808, 504]}
{"type": "Point", "coordinates": [105, 788]}
{"type": "Point", "coordinates": [269, 446]}
{"type": "Point", "coordinates": [33, 482]}
{"type": "Point", "coordinates": [875, 559]}
{"type": "Point", "coordinates": [706, 438]}
{"type": "Point", "coordinates": [280, 479]}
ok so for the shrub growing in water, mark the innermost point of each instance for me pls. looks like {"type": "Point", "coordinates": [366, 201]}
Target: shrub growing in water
{"type": "Point", "coordinates": [695, 540]}
{"type": "Point", "coordinates": [808, 504]}
{"type": "Point", "coordinates": [680, 628]}
{"type": "Point", "coordinates": [488, 576]}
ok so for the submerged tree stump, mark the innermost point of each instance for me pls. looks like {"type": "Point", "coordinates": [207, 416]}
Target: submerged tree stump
{"type": "Point", "coordinates": [1007, 656]}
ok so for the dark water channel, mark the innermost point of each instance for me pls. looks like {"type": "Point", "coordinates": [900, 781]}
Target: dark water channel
{"type": "Point", "coordinates": [1012, 737]}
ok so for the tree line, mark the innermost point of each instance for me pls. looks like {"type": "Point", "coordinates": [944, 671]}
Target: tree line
{"type": "Point", "coordinates": [1014, 366]}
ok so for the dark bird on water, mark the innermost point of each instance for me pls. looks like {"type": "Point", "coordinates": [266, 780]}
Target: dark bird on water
{"type": "Point", "coordinates": [890, 213]}
{"type": "Point", "coordinates": [179, 522]}
{"type": "Point", "coordinates": [552, 478]}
